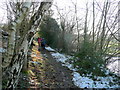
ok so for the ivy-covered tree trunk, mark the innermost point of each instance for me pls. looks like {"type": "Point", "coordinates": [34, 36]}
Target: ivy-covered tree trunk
{"type": "Point", "coordinates": [19, 39]}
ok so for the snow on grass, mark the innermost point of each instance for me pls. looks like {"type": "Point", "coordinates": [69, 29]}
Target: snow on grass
{"type": "Point", "coordinates": [85, 81]}
{"type": "Point", "coordinates": [2, 50]}
{"type": "Point", "coordinates": [63, 58]}
{"type": "Point", "coordinates": [49, 49]}
{"type": "Point", "coordinates": [114, 67]}
{"type": "Point", "coordinates": [59, 57]}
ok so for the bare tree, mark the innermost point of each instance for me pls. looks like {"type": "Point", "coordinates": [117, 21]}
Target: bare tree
{"type": "Point", "coordinates": [93, 22]}
{"type": "Point", "coordinates": [21, 30]}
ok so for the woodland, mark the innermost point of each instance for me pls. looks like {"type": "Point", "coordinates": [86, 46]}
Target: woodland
{"type": "Point", "coordinates": [82, 50]}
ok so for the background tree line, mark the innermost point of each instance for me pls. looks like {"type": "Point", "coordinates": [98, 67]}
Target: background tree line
{"type": "Point", "coordinates": [92, 39]}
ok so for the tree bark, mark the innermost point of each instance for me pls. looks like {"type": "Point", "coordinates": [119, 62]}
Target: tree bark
{"type": "Point", "coordinates": [17, 54]}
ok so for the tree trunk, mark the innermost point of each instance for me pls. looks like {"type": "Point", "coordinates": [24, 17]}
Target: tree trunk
{"type": "Point", "coordinates": [17, 54]}
{"type": "Point", "coordinates": [25, 44]}
{"type": "Point", "coordinates": [0, 62]}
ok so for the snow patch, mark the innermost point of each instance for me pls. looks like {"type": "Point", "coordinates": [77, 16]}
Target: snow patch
{"type": "Point", "coordinates": [49, 49]}
{"type": "Point", "coordinates": [85, 81]}
{"type": "Point", "coordinates": [63, 58]}
{"type": "Point", "coordinates": [2, 50]}
{"type": "Point", "coordinates": [114, 67]}
{"type": "Point", "coordinates": [59, 57]}
{"type": "Point", "coordinates": [34, 62]}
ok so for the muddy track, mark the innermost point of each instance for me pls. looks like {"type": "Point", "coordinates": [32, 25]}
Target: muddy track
{"type": "Point", "coordinates": [61, 76]}
{"type": "Point", "coordinates": [45, 72]}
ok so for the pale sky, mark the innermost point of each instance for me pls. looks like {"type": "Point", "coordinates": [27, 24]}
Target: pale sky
{"type": "Point", "coordinates": [66, 5]}
{"type": "Point", "coordinates": [3, 13]}
{"type": "Point", "coordinates": [62, 4]}
{"type": "Point", "coordinates": [81, 4]}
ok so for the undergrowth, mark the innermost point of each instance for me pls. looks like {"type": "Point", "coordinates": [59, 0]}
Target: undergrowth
{"type": "Point", "coordinates": [88, 60]}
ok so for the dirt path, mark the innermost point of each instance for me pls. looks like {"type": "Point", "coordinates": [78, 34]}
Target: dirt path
{"type": "Point", "coordinates": [57, 76]}
{"type": "Point", "coordinates": [45, 72]}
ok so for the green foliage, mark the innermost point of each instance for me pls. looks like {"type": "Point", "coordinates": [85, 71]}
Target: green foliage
{"type": "Point", "coordinates": [50, 30]}
{"type": "Point", "coordinates": [23, 81]}
{"type": "Point", "coordinates": [4, 83]}
{"type": "Point", "coordinates": [89, 60]}
{"type": "Point", "coordinates": [25, 72]}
